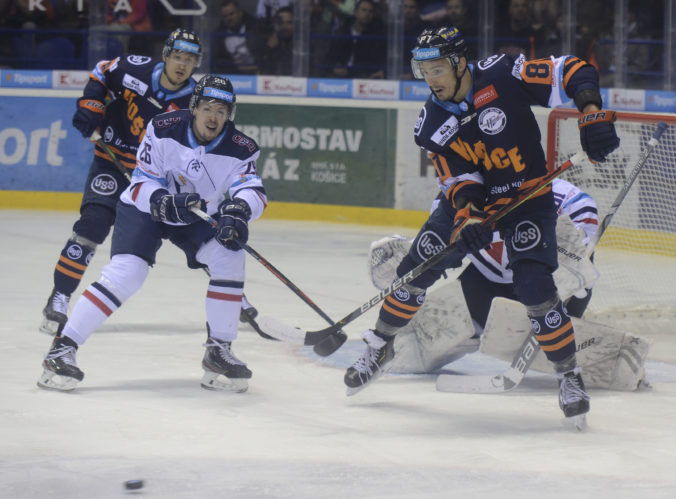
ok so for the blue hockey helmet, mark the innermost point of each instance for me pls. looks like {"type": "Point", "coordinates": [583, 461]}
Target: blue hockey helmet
{"type": "Point", "coordinates": [183, 40]}
{"type": "Point", "coordinates": [214, 88]}
{"type": "Point", "coordinates": [438, 43]}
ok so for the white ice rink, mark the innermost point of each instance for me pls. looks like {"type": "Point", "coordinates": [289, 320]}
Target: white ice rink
{"type": "Point", "coordinates": [141, 414]}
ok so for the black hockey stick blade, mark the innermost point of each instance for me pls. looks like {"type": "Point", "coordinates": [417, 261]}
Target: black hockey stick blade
{"type": "Point", "coordinates": [330, 344]}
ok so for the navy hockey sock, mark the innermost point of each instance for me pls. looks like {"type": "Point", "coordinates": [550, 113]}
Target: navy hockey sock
{"type": "Point", "coordinates": [70, 268]}
{"type": "Point", "coordinates": [554, 332]}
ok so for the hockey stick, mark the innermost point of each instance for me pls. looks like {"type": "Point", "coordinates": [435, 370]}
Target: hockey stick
{"type": "Point", "coordinates": [325, 335]}
{"type": "Point", "coordinates": [525, 356]}
{"type": "Point", "coordinates": [652, 144]}
{"type": "Point", "coordinates": [96, 137]}
{"type": "Point", "coordinates": [341, 337]}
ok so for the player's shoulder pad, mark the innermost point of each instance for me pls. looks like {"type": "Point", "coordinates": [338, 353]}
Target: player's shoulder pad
{"type": "Point", "coordinates": [435, 127]}
{"type": "Point", "coordinates": [495, 64]}
{"type": "Point", "coordinates": [132, 60]}
{"type": "Point", "coordinates": [238, 144]}
{"type": "Point", "coordinates": [164, 124]}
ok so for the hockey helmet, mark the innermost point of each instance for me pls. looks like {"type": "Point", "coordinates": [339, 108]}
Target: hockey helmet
{"type": "Point", "coordinates": [438, 43]}
{"type": "Point", "coordinates": [183, 40]}
{"type": "Point", "coordinates": [214, 89]}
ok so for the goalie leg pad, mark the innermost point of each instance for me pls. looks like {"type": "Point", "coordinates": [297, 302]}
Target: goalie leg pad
{"type": "Point", "coordinates": [440, 332]}
{"type": "Point", "coordinates": [610, 358]}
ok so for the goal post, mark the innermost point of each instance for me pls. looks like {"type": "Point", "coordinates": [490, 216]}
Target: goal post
{"type": "Point", "coordinates": [637, 255]}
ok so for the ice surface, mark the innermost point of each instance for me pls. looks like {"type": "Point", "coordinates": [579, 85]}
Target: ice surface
{"type": "Point", "coordinates": [140, 413]}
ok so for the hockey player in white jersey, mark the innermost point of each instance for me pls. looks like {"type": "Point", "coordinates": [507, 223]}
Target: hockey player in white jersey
{"type": "Point", "coordinates": [188, 159]}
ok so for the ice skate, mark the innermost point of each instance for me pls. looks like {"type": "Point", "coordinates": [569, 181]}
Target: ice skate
{"type": "Point", "coordinates": [372, 364]}
{"type": "Point", "coordinates": [573, 399]}
{"type": "Point", "coordinates": [222, 370]}
{"type": "Point", "coordinates": [60, 368]}
{"type": "Point", "coordinates": [55, 313]}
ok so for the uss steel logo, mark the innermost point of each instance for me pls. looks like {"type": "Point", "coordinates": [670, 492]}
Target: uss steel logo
{"type": "Point", "coordinates": [553, 319]}
{"type": "Point", "coordinates": [526, 236]}
{"type": "Point", "coordinates": [104, 184]}
{"type": "Point", "coordinates": [429, 244]}
{"type": "Point", "coordinates": [74, 251]}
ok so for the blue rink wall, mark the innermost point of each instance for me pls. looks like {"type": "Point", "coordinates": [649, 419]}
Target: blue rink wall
{"type": "Point", "coordinates": [344, 147]}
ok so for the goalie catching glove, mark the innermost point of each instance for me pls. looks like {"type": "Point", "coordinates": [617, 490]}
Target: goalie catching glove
{"type": "Point", "coordinates": [597, 134]}
{"type": "Point", "coordinates": [233, 226]}
{"type": "Point", "coordinates": [468, 233]}
{"type": "Point", "coordinates": [175, 208]}
{"type": "Point", "coordinates": [89, 116]}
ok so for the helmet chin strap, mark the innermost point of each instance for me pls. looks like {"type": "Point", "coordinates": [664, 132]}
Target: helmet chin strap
{"type": "Point", "coordinates": [458, 82]}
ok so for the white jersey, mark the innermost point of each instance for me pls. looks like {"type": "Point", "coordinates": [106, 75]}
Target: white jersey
{"type": "Point", "coordinates": [170, 158]}
{"type": "Point", "coordinates": [569, 200]}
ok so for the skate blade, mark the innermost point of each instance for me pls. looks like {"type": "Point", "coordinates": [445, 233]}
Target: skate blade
{"type": "Point", "coordinates": [49, 327]}
{"type": "Point", "coordinates": [577, 423]}
{"type": "Point", "coordinates": [52, 381]}
{"type": "Point", "coordinates": [215, 381]}
{"type": "Point", "coordinates": [351, 390]}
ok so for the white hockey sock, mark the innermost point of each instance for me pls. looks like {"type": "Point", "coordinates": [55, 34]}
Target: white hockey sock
{"type": "Point", "coordinates": [91, 309]}
{"type": "Point", "coordinates": [223, 304]}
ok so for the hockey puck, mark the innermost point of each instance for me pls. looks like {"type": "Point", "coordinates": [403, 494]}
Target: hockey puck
{"type": "Point", "coordinates": [133, 484]}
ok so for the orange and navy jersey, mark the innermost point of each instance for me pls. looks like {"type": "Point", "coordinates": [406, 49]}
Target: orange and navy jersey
{"type": "Point", "coordinates": [131, 87]}
{"type": "Point", "coordinates": [487, 147]}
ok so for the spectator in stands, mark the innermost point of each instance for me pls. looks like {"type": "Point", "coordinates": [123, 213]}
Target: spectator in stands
{"type": "Point", "coordinates": [131, 16]}
{"type": "Point", "coordinates": [518, 35]}
{"type": "Point", "coordinates": [235, 47]}
{"type": "Point", "coordinates": [325, 18]}
{"type": "Point", "coordinates": [276, 57]}
{"type": "Point", "coordinates": [358, 48]}
{"type": "Point", "coordinates": [267, 9]}
{"type": "Point", "coordinates": [413, 25]}
{"type": "Point", "coordinates": [458, 14]}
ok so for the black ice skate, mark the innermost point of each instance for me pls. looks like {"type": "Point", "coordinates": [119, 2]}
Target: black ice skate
{"type": "Point", "coordinates": [573, 399]}
{"type": "Point", "coordinates": [55, 313]}
{"type": "Point", "coordinates": [371, 364]}
{"type": "Point", "coordinates": [222, 370]}
{"type": "Point", "coordinates": [60, 369]}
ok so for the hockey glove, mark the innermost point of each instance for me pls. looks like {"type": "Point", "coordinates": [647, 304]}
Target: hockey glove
{"type": "Point", "coordinates": [233, 228]}
{"type": "Point", "coordinates": [89, 116]}
{"type": "Point", "coordinates": [165, 207]}
{"type": "Point", "coordinates": [468, 233]}
{"type": "Point", "coordinates": [597, 134]}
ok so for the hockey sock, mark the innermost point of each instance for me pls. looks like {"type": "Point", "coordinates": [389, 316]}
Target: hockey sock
{"type": "Point", "coordinates": [223, 304]}
{"type": "Point", "coordinates": [554, 330]}
{"type": "Point", "coordinates": [72, 264]}
{"type": "Point", "coordinates": [400, 307]}
{"type": "Point", "coordinates": [93, 307]}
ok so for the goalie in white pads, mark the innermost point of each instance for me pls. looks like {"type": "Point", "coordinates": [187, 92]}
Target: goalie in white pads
{"type": "Point", "coordinates": [188, 159]}
{"type": "Point", "coordinates": [450, 323]}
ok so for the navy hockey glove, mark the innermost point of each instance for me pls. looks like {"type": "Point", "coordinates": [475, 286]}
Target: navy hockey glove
{"type": "Point", "coordinates": [89, 116]}
{"type": "Point", "coordinates": [468, 233]}
{"type": "Point", "coordinates": [597, 134]}
{"type": "Point", "coordinates": [233, 228]}
{"type": "Point", "coordinates": [165, 207]}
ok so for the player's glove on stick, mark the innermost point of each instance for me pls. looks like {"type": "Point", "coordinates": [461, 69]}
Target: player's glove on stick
{"type": "Point", "coordinates": [165, 207]}
{"type": "Point", "coordinates": [467, 232]}
{"type": "Point", "coordinates": [233, 226]}
{"type": "Point", "coordinates": [597, 134]}
{"type": "Point", "coordinates": [89, 116]}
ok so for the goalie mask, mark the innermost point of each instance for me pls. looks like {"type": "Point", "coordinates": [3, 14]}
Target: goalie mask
{"type": "Point", "coordinates": [214, 89]}
{"type": "Point", "coordinates": [438, 43]}
{"type": "Point", "coordinates": [183, 40]}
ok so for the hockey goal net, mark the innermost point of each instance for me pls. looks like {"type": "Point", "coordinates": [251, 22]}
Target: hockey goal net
{"type": "Point", "coordinates": [636, 256]}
